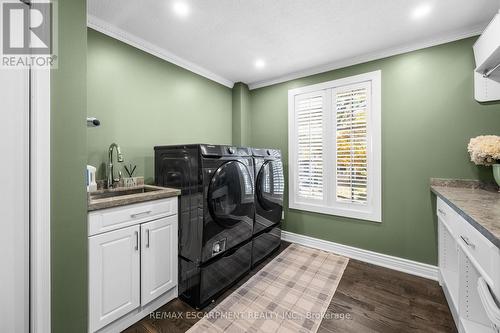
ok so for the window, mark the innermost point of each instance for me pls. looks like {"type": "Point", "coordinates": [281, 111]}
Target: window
{"type": "Point", "coordinates": [335, 147]}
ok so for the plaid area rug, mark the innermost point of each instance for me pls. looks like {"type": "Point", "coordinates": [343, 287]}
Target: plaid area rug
{"type": "Point", "coordinates": [290, 294]}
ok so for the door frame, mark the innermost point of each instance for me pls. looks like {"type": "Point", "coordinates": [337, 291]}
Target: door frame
{"type": "Point", "coordinates": [40, 277]}
{"type": "Point", "coordinates": [38, 154]}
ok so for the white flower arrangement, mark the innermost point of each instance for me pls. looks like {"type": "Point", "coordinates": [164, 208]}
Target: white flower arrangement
{"type": "Point", "coordinates": [484, 149]}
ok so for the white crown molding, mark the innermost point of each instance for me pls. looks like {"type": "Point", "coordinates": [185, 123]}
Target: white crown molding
{"type": "Point", "coordinates": [443, 39]}
{"type": "Point", "coordinates": [399, 264]}
{"type": "Point", "coordinates": [137, 42]}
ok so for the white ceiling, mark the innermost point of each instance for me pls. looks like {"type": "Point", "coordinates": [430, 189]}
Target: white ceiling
{"type": "Point", "coordinates": [222, 39]}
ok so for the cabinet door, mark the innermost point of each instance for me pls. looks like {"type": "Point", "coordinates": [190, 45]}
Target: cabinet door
{"type": "Point", "coordinates": [158, 257]}
{"type": "Point", "coordinates": [114, 272]}
{"type": "Point", "coordinates": [448, 260]}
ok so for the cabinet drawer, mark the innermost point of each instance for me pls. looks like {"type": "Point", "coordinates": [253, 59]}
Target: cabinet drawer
{"type": "Point", "coordinates": [225, 271]}
{"type": "Point", "coordinates": [483, 255]}
{"type": "Point", "coordinates": [118, 217]}
{"type": "Point", "coordinates": [452, 221]}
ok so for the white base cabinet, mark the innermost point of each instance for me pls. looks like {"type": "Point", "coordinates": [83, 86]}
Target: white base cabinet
{"type": "Point", "coordinates": [469, 273]}
{"type": "Point", "coordinates": [132, 268]}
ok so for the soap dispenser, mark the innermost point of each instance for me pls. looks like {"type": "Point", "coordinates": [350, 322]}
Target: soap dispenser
{"type": "Point", "coordinates": [91, 182]}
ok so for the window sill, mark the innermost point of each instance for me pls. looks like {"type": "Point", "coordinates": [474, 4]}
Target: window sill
{"type": "Point", "coordinates": [368, 215]}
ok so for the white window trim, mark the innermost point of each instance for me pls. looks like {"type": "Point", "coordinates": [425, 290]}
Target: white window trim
{"type": "Point", "coordinates": [373, 210]}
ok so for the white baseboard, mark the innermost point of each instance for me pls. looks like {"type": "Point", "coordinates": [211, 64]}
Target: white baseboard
{"type": "Point", "coordinates": [399, 264]}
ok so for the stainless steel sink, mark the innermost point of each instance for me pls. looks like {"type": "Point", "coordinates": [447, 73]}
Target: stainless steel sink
{"type": "Point", "coordinates": [119, 193]}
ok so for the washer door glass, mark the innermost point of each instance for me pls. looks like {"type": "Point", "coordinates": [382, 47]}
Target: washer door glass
{"type": "Point", "coordinates": [271, 185]}
{"type": "Point", "coordinates": [231, 194]}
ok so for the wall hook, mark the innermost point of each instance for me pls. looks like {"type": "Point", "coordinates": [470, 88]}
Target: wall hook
{"type": "Point", "coordinates": [93, 122]}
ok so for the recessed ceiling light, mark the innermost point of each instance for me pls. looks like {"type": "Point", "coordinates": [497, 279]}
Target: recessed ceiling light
{"type": "Point", "coordinates": [260, 63]}
{"type": "Point", "coordinates": [421, 11]}
{"type": "Point", "coordinates": [181, 8]}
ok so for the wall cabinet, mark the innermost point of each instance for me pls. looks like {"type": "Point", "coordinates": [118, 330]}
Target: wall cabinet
{"type": "Point", "coordinates": [132, 269]}
{"type": "Point", "coordinates": [487, 56]}
{"type": "Point", "coordinates": [469, 267]}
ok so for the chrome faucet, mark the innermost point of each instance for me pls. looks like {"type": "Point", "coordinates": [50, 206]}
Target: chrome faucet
{"type": "Point", "coordinates": [111, 175]}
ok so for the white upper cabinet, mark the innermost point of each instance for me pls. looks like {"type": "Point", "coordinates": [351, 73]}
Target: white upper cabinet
{"type": "Point", "coordinates": [158, 257]}
{"type": "Point", "coordinates": [487, 47]}
{"type": "Point", "coordinates": [487, 56]}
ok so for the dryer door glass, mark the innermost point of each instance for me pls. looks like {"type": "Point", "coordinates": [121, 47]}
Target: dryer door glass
{"type": "Point", "coordinates": [231, 194]}
{"type": "Point", "coordinates": [271, 185]}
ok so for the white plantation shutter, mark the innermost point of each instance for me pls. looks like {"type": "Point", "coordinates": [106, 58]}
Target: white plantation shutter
{"type": "Point", "coordinates": [309, 122]}
{"type": "Point", "coordinates": [351, 106]}
{"type": "Point", "coordinates": [335, 147]}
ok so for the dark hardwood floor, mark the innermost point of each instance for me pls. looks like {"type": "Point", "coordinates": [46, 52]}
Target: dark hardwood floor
{"type": "Point", "coordinates": [368, 299]}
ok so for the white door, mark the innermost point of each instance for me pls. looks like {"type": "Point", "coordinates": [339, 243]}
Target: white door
{"type": "Point", "coordinates": [114, 272]}
{"type": "Point", "coordinates": [14, 200]}
{"type": "Point", "coordinates": [158, 257]}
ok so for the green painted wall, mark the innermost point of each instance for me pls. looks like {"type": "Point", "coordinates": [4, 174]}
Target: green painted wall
{"type": "Point", "coordinates": [68, 157]}
{"type": "Point", "coordinates": [241, 116]}
{"type": "Point", "coordinates": [143, 101]}
{"type": "Point", "coordinates": [428, 116]}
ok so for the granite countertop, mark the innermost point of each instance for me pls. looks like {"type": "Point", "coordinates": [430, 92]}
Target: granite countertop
{"type": "Point", "coordinates": [476, 202]}
{"type": "Point", "coordinates": [103, 199]}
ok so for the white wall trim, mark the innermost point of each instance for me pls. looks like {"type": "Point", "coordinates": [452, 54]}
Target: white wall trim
{"type": "Point", "coordinates": [137, 42]}
{"type": "Point", "coordinates": [379, 259]}
{"type": "Point", "coordinates": [443, 39]}
{"type": "Point", "coordinates": [40, 201]}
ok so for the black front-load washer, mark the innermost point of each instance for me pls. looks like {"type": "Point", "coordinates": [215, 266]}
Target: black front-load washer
{"type": "Point", "coordinates": [216, 215]}
{"type": "Point", "coordinates": [269, 190]}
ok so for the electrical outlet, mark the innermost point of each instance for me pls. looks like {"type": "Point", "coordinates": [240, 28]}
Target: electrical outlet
{"type": "Point", "coordinates": [282, 214]}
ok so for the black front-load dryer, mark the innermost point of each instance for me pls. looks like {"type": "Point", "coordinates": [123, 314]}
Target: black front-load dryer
{"type": "Point", "coordinates": [216, 214]}
{"type": "Point", "coordinates": [269, 190]}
